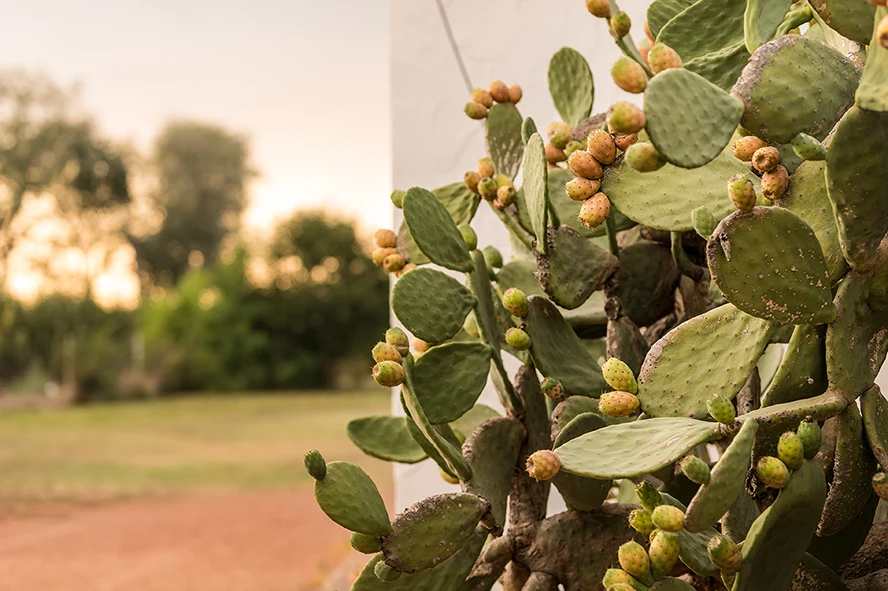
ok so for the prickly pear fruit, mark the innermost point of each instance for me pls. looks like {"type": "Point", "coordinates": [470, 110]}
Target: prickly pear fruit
{"type": "Point", "coordinates": [572, 146]}
{"type": "Point", "coordinates": [772, 472]}
{"type": "Point", "coordinates": [553, 389]}
{"type": "Point", "coordinates": [388, 374]}
{"type": "Point", "coordinates": [475, 110]}
{"type": "Point", "coordinates": [742, 192]}
{"type": "Point", "coordinates": [662, 57]}
{"type": "Point", "coordinates": [385, 352]}
{"type": "Point", "coordinates": [398, 338]}
{"type": "Point", "coordinates": [629, 75]}
{"type": "Point", "coordinates": [560, 138]}
{"type": "Point", "coordinates": [471, 325]}
{"type": "Point", "coordinates": [515, 93]}
{"type": "Point", "coordinates": [386, 573]}
{"type": "Point", "coordinates": [766, 159]}
{"type": "Point", "coordinates": [601, 145]}
{"type": "Point", "coordinates": [486, 168]}
{"type": "Point", "coordinates": [518, 339]}
{"type": "Point", "coordinates": [503, 180]}
{"type": "Point", "coordinates": [668, 518]}
{"type": "Point", "coordinates": [616, 576]}
{"type": "Point", "coordinates": [397, 198]}
{"type": "Point", "coordinates": [625, 117]}
{"type": "Point", "coordinates": [808, 148]}
{"type": "Point", "coordinates": [394, 262]}
{"type": "Point", "coordinates": [580, 189]}
{"type": "Point", "coordinates": [724, 554]}
{"type": "Point", "coordinates": [644, 48]}
{"type": "Point", "coordinates": [882, 32]}
{"type": "Point", "coordinates": [619, 376]}
{"type": "Point", "coordinates": [420, 346]}
{"type": "Point", "coordinates": [471, 179]}
{"type": "Point", "coordinates": [379, 254]}
{"type": "Point", "coordinates": [644, 157]}
{"type": "Point", "coordinates": [618, 404]}
{"type": "Point", "coordinates": [599, 8]}
{"type": "Point", "coordinates": [385, 238]}
{"type": "Point", "coordinates": [499, 91]}
{"type": "Point", "coordinates": [695, 469]}
{"type": "Point", "coordinates": [558, 126]}
{"type": "Point", "coordinates": [594, 210]}
{"type": "Point", "coordinates": [648, 496]}
{"type": "Point", "coordinates": [640, 520]}
{"type": "Point", "coordinates": [447, 477]}
{"type": "Point", "coordinates": [583, 164]}
{"type": "Point", "coordinates": [479, 95]}
{"type": "Point", "coordinates": [554, 155]}
{"type": "Point", "coordinates": [515, 301]}
{"type": "Point", "coordinates": [810, 436]}
{"type": "Point", "coordinates": [624, 140]}
{"type": "Point", "coordinates": [880, 485]}
{"type": "Point", "coordinates": [469, 236]}
{"type": "Point", "coordinates": [487, 188]}
{"type": "Point", "coordinates": [746, 146]}
{"type": "Point", "coordinates": [492, 257]}
{"type": "Point", "coordinates": [365, 544]}
{"type": "Point", "coordinates": [774, 183]}
{"type": "Point", "coordinates": [315, 464]}
{"type": "Point", "coordinates": [634, 560]}
{"type": "Point", "coordinates": [663, 552]}
{"type": "Point", "coordinates": [405, 269]}
{"type": "Point", "coordinates": [543, 464]}
{"type": "Point", "coordinates": [620, 24]}
{"type": "Point", "coordinates": [505, 196]}
{"type": "Point", "coordinates": [790, 450]}
{"type": "Point", "coordinates": [721, 409]}
{"type": "Point", "coordinates": [704, 222]}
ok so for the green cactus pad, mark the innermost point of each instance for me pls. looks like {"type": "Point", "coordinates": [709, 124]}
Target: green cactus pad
{"type": "Point", "coordinates": [689, 137]}
{"type": "Point", "coordinates": [795, 85]}
{"type": "Point", "coordinates": [571, 85]}
{"type": "Point", "coordinates": [802, 373]}
{"type": "Point", "coordinates": [853, 469]}
{"type": "Point", "coordinates": [441, 433]}
{"type": "Point", "coordinates": [461, 204]}
{"type": "Point", "coordinates": [581, 494]}
{"type": "Point", "coordinates": [432, 305]}
{"type": "Point", "coordinates": [851, 18]}
{"type": "Point", "coordinates": [740, 517]}
{"type": "Point", "coordinates": [834, 551]}
{"type": "Point", "coordinates": [350, 498]}
{"type": "Point", "coordinates": [432, 530]}
{"type": "Point", "coordinates": [386, 438]}
{"type": "Point", "coordinates": [574, 268]}
{"type": "Point", "coordinates": [569, 409]}
{"type": "Point", "coordinates": [857, 181]}
{"type": "Point", "coordinates": [558, 352]}
{"type": "Point", "coordinates": [670, 584]}
{"type": "Point", "coordinates": [875, 422]}
{"type": "Point", "coordinates": [693, 551]}
{"type": "Point", "coordinates": [466, 424]}
{"type": "Point", "coordinates": [503, 134]}
{"type": "Point", "coordinates": [721, 67]}
{"type": "Point", "coordinates": [807, 197]}
{"type": "Point", "coordinates": [580, 425]}
{"type": "Point", "coordinates": [779, 537]}
{"type": "Point", "coordinates": [761, 21]}
{"type": "Point", "coordinates": [665, 199]}
{"type": "Point", "coordinates": [447, 576]}
{"type": "Point", "coordinates": [789, 414]}
{"type": "Point", "coordinates": [682, 33]}
{"type": "Point", "coordinates": [727, 480]}
{"type": "Point", "coordinates": [713, 353]}
{"type": "Point", "coordinates": [872, 94]}
{"type": "Point", "coordinates": [449, 378]}
{"type": "Point", "coordinates": [660, 12]}
{"type": "Point", "coordinates": [633, 449]}
{"type": "Point", "coordinates": [492, 452]}
{"type": "Point", "coordinates": [647, 277]}
{"type": "Point", "coordinates": [536, 188]}
{"type": "Point", "coordinates": [519, 273]}
{"type": "Point", "coordinates": [812, 575]}
{"type": "Point", "coordinates": [435, 231]}
{"type": "Point", "coordinates": [768, 263]}
{"type": "Point", "coordinates": [528, 128]}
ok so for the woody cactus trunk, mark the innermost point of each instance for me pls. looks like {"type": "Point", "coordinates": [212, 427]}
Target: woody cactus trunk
{"type": "Point", "coordinates": [661, 257]}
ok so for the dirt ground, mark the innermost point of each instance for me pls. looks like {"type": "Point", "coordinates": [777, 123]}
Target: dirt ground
{"type": "Point", "coordinates": [244, 541]}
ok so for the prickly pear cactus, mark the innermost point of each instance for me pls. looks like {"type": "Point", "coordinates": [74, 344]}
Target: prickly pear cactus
{"type": "Point", "coordinates": [664, 250]}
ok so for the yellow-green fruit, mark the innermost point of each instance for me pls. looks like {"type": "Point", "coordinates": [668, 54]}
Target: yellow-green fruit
{"type": "Point", "coordinates": [560, 138]}
{"type": "Point", "coordinates": [644, 47]}
{"type": "Point", "coordinates": [515, 93]}
{"type": "Point", "coordinates": [704, 222]}
{"type": "Point", "coordinates": [724, 554]}
{"type": "Point", "coordinates": [774, 183]}
{"type": "Point", "coordinates": [365, 544]}
{"type": "Point", "coordinates": [766, 159]}
{"type": "Point", "coordinates": [882, 32]}
{"type": "Point", "coordinates": [315, 464]}
{"type": "Point", "coordinates": [620, 24]}
{"type": "Point", "coordinates": [505, 196]}
{"type": "Point", "coordinates": [644, 157]}
{"type": "Point", "coordinates": [518, 339]}
{"type": "Point", "coordinates": [663, 552]}
{"type": "Point", "coordinates": [594, 210]}
{"type": "Point", "coordinates": [487, 188]}
{"type": "Point", "coordinates": [580, 189]}
{"type": "Point", "coordinates": [790, 450]}
{"type": "Point", "coordinates": [662, 57]}
{"type": "Point", "coordinates": [772, 472]}
{"type": "Point", "coordinates": [584, 164]}
{"type": "Point", "coordinates": [601, 145]}
{"type": "Point", "coordinates": [554, 155]}
{"type": "Point", "coordinates": [503, 180]}
{"type": "Point", "coordinates": [619, 376]}
{"type": "Point", "coordinates": [397, 198]}
{"type": "Point", "coordinates": [388, 374]}
{"type": "Point", "coordinates": [397, 337]}
{"type": "Point", "coordinates": [572, 146]}
{"type": "Point", "coordinates": [629, 75]}
{"type": "Point", "coordinates": [741, 192]}
{"type": "Point", "coordinates": [695, 469]}
{"type": "Point", "coordinates": [880, 485]}
{"type": "Point", "coordinates": [616, 576]}
{"type": "Point", "coordinates": [599, 8]}
{"type": "Point", "coordinates": [471, 179]}
{"type": "Point", "coordinates": [515, 301]}
{"type": "Point", "coordinates": [479, 95]}
{"type": "Point", "coordinates": [648, 496]}
{"type": "Point", "coordinates": [640, 520]}
{"type": "Point", "coordinates": [746, 146]}
{"type": "Point", "coordinates": [469, 236]}
{"type": "Point", "coordinates": [808, 148]}
{"type": "Point", "coordinates": [386, 573]}
{"type": "Point", "coordinates": [486, 168]}
{"type": "Point", "coordinates": [385, 238]}
{"type": "Point", "coordinates": [553, 389]}
{"type": "Point", "coordinates": [668, 518]}
{"type": "Point", "coordinates": [810, 436]}
{"type": "Point", "coordinates": [475, 110]}
{"type": "Point", "coordinates": [624, 140]}
{"type": "Point", "coordinates": [394, 262]}
{"type": "Point", "coordinates": [625, 117]}
{"type": "Point", "coordinates": [557, 126]}
{"type": "Point", "coordinates": [420, 346]}
{"type": "Point", "coordinates": [543, 464]}
{"type": "Point", "coordinates": [405, 269]}
{"type": "Point", "coordinates": [499, 91]}
{"type": "Point", "coordinates": [618, 404]}
{"type": "Point", "coordinates": [448, 478]}
{"type": "Point", "coordinates": [634, 560]}
{"type": "Point", "coordinates": [492, 257]}
{"type": "Point", "coordinates": [721, 409]}
{"type": "Point", "coordinates": [385, 352]}
{"type": "Point", "coordinates": [379, 254]}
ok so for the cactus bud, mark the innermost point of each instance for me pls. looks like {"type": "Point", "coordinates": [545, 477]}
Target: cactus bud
{"type": "Point", "coordinates": [766, 159]}
{"type": "Point", "coordinates": [648, 496]}
{"type": "Point", "coordinates": [618, 404]}
{"type": "Point", "coordinates": [479, 95]}
{"type": "Point", "coordinates": [397, 198]}
{"type": "Point", "coordinates": [624, 140]}
{"type": "Point", "coordinates": [554, 155]}
{"type": "Point", "coordinates": [385, 352]}
{"type": "Point", "coordinates": [880, 485]}
{"type": "Point", "coordinates": [594, 210]}
{"type": "Point", "coordinates": [492, 257]}
{"type": "Point", "coordinates": [724, 554]}
{"type": "Point", "coordinates": [662, 57]}
{"type": "Point", "coordinates": [772, 472]}
{"type": "Point", "coordinates": [619, 376]}
{"type": "Point", "coordinates": [746, 146]}
{"type": "Point", "coordinates": [791, 450]}
{"type": "Point", "coordinates": [620, 24]}
{"type": "Point", "coordinates": [518, 339]}
{"type": "Point", "coordinates": [487, 188]}
{"type": "Point", "coordinates": [515, 93]}
{"type": "Point", "coordinates": [515, 301]}
{"type": "Point", "coordinates": [365, 544]}
{"type": "Point", "coordinates": [668, 518]}
{"type": "Point", "coordinates": [741, 192]}
{"type": "Point", "coordinates": [388, 374]}
{"type": "Point", "coordinates": [583, 164]}
{"type": "Point", "coordinates": [644, 157]}
{"type": "Point", "coordinates": [614, 577]}
{"type": "Point", "coordinates": [721, 409]}
{"type": "Point", "coordinates": [808, 147]}
{"type": "Point", "coordinates": [505, 196]}
{"type": "Point", "coordinates": [560, 138]}
{"type": "Point", "coordinates": [810, 436]}
{"type": "Point", "coordinates": [420, 346]}
{"type": "Point", "coordinates": [398, 338]}
{"type": "Point", "coordinates": [640, 520]}
{"type": "Point", "coordinates": [471, 325]}
{"type": "Point", "coordinates": [599, 8]}
{"type": "Point", "coordinates": [386, 573]}
{"type": "Point", "coordinates": [663, 552]}
{"type": "Point", "coordinates": [468, 236]}
{"type": "Point", "coordinates": [629, 75]}
{"type": "Point", "coordinates": [601, 145]}
{"type": "Point", "coordinates": [543, 464]}
{"type": "Point", "coordinates": [385, 238]}
{"type": "Point", "coordinates": [634, 560]}
{"type": "Point", "coordinates": [380, 254]}
{"type": "Point", "coordinates": [315, 464]}
{"type": "Point", "coordinates": [695, 469]}
{"type": "Point", "coordinates": [553, 389]}
{"type": "Point", "coordinates": [625, 117]}
{"type": "Point", "coordinates": [471, 179]}
{"type": "Point", "coordinates": [499, 91]}
{"type": "Point", "coordinates": [882, 32]}
{"type": "Point", "coordinates": [704, 221]}
{"type": "Point", "coordinates": [774, 183]}
{"type": "Point", "coordinates": [447, 477]}
{"type": "Point", "coordinates": [580, 189]}
{"type": "Point", "coordinates": [486, 168]}
{"type": "Point", "coordinates": [475, 110]}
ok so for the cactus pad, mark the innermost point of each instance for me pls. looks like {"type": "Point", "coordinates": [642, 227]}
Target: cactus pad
{"type": "Point", "coordinates": [693, 551]}
{"type": "Point", "coordinates": [519, 273]}
{"type": "Point", "coordinates": [633, 449]}
{"type": "Point", "coordinates": [536, 188]}
{"type": "Point", "coordinates": [647, 276]}
{"type": "Point", "coordinates": [434, 230]}
{"type": "Point", "coordinates": [386, 438]}
{"type": "Point", "coordinates": [872, 94]}
{"type": "Point", "coordinates": [528, 128]}
{"type": "Point", "coordinates": [768, 263]}
{"type": "Point", "coordinates": [571, 85]}
{"type": "Point", "coordinates": [815, 85]}
{"type": "Point", "coordinates": [851, 18]}
{"type": "Point", "coordinates": [503, 134]}
{"type": "Point", "coordinates": [432, 305]}
{"type": "Point", "coordinates": [574, 268]}
{"type": "Point", "coordinates": [709, 354]}
{"type": "Point", "coordinates": [670, 584]}
{"type": "Point", "coordinates": [721, 67]}
{"type": "Point", "coordinates": [431, 531]}
{"type": "Point", "coordinates": [736, 522]}
{"type": "Point", "coordinates": [449, 378]}
{"type": "Point", "coordinates": [689, 137]}
{"type": "Point", "coordinates": [802, 373]}
{"type": "Point", "coordinates": [465, 425]}
{"type": "Point", "coordinates": [569, 409]}
{"type": "Point", "coordinates": [660, 12]}
{"type": "Point", "coordinates": [875, 421]}
{"type": "Point", "coordinates": [682, 33]}
{"type": "Point", "coordinates": [580, 425]}
{"type": "Point", "coordinates": [461, 204]}
{"type": "Point", "coordinates": [581, 494]}
{"type": "Point", "coordinates": [761, 21]}
{"type": "Point", "coordinates": [350, 498]}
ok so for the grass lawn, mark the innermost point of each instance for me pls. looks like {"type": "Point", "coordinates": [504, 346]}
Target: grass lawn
{"type": "Point", "coordinates": [198, 443]}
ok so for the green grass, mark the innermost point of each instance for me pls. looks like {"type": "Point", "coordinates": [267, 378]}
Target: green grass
{"type": "Point", "coordinates": [208, 442]}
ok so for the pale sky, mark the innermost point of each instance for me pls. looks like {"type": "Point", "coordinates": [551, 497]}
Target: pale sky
{"type": "Point", "coordinates": [306, 80]}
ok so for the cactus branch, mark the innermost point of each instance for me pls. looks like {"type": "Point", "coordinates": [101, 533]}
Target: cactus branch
{"type": "Point", "coordinates": [514, 226]}
{"type": "Point", "coordinates": [795, 18]}
{"type": "Point", "coordinates": [819, 408]}
{"type": "Point", "coordinates": [611, 229]}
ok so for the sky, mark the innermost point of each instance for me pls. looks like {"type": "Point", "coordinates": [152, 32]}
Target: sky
{"type": "Point", "coordinates": [305, 80]}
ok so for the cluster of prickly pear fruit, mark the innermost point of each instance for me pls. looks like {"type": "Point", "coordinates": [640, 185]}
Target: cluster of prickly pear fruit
{"type": "Point", "coordinates": [696, 370]}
